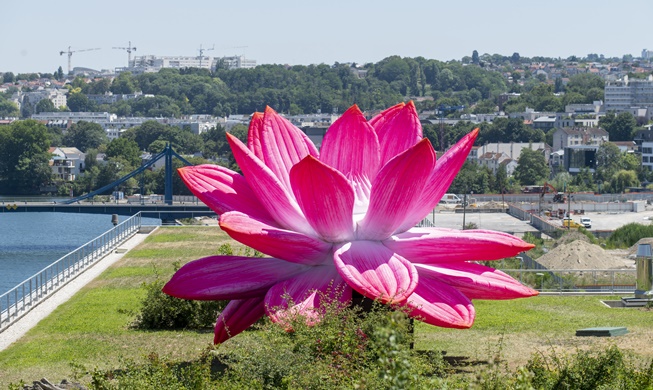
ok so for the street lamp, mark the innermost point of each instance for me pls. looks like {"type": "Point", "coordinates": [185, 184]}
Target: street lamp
{"type": "Point", "coordinates": [521, 265]}
{"type": "Point", "coordinates": [541, 275]}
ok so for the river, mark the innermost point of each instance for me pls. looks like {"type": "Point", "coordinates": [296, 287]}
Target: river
{"type": "Point", "coordinates": [31, 241]}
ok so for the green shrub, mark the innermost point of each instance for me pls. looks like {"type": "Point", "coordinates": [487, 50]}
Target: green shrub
{"type": "Point", "coordinates": [628, 235]}
{"type": "Point", "coordinates": [162, 311]}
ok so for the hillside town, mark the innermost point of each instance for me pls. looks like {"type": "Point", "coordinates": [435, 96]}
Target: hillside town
{"type": "Point", "coordinates": [568, 134]}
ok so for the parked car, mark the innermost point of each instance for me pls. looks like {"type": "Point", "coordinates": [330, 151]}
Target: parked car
{"type": "Point", "coordinates": [586, 222]}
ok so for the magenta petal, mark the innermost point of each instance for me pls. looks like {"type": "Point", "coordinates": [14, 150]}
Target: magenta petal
{"type": "Point", "coordinates": [475, 281]}
{"type": "Point", "coordinates": [238, 315]}
{"type": "Point", "coordinates": [254, 135]}
{"type": "Point", "coordinates": [282, 145]}
{"type": "Point", "coordinates": [305, 292]}
{"type": "Point", "coordinates": [386, 115]}
{"type": "Point", "coordinates": [326, 197]}
{"type": "Point", "coordinates": [223, 190]}
{"type": "Point", "coordinates": [351, 146]}
{"type": "Point", "coordinates": [398, 132]}
{"type": "Point", "coordinates": [375, 272]}
{"type": "Point", "coordinates": [446, 169]}
{"type": "Point", "coordinates": [439, 304]}
{"type": "Point", "coordinates": [229, 277]}
{"type": "Point", "coordinates": [397, 187]}
{"type": "Point", "coordinates": [439, 245]}
{"type": "Point", "coordinates": [272, 194]}
{"type": "Point", "coordinates": [283, 244]}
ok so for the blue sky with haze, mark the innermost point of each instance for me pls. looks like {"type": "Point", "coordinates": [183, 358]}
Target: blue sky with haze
{"type": "Point", "coordinates": [304, 32]}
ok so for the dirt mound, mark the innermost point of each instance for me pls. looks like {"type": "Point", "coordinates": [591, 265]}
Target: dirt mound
{"type": "Point", "coordinates": [569, 237]}
{"type": "Point", "coordinates": [632, 251]}
{"type": "Point", "coordinates": [580, 254]}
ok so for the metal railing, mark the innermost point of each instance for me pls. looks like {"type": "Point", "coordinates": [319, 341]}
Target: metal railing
{"type": "Point", "coordinates": [577, 281]}
{"type": "Point", "coordinates": [21, 299]}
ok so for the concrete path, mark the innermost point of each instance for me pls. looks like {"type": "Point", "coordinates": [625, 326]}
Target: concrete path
{"type": "Point", "coordinates": [47, 306]}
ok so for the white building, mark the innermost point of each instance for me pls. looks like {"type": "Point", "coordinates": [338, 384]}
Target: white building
{"type": "Point", "coordinates": [576, 136]}
{"type": "Point", "coordinates": [152, 63]}
{"type": "Point", "coordinates": [67, 163]}
{"type": "Point", "coordinates": [512, 150]}
{"type": "Point", "coordinates": [31, 99]}
{"type": "Point", "coordinates": [627, 95]}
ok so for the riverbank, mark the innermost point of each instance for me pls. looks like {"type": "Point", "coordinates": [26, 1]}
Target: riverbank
{"type": "Point", "coordinates": [92, 328]}
{"type": "Point", "coordinates": [46, 307]}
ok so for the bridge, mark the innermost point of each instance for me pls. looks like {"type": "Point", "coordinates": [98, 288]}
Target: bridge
{"type": "Point", "coordinates": [184, 207]}
{"type": "Point", "coordinates": [160, 211]}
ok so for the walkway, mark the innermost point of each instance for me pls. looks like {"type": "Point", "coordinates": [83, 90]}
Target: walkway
{"type": "Point", "coordinates": [47, 306]}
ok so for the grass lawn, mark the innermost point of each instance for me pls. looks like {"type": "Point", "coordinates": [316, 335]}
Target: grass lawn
{"type": "Point", "coordinates": [92, 328]}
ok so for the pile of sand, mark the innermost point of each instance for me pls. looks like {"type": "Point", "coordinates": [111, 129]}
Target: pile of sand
{"type": "Point", "coordinates": [632, 251]}
{"type": "Point", "coordinates": [580, 254]}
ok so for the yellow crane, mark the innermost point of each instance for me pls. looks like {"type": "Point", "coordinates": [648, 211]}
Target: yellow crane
{"type": "Point", "coordinates": [70, 54]}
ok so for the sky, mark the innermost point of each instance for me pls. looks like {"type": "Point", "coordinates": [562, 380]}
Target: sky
{"type": "Point", "coordinates": [33, 33]}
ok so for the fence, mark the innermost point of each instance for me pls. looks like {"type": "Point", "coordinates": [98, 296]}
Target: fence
{"type": "Point", "coordinates": [21, 299]}
{"type": "Point", "coordinates": [592, 281]}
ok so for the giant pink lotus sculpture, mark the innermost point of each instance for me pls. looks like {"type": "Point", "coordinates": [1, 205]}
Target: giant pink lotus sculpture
{"type": "Point", "coordinates": [342, 219]}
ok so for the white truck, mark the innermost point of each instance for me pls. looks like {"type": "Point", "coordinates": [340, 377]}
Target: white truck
{"type": "Point", "coordinates": [451, 199]}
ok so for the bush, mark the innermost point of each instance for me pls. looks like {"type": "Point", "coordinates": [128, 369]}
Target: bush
{"type": "Point", "coordinates": [162, 311]}
{"type": "Point", "coordinates": [628, 235]}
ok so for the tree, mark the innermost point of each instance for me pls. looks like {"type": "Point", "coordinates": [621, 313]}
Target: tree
{"type": "Point", "coordinates": [608, 161]}
{"type": "Point", "coordinates": [126, 149]}
{"type": "Point", "coordinates": [8, 77]}
{"type": "Point", "coordinates": [475, 59]}
{"type": "Point", "coordinates": [78, 102]}
{"type": "Point", "coordinates": [623, 179]}
{"type": "Point", "coordinates": [24, 147]}
{"type": "Point", "coordinates": [58, 75]}
{"type": "Point", "coordinates": [472, 178]}
{"type": "Point", "coordinates": [85, 135]}
{"type": "Point", "coordinates": [532, 167]}
{"type": "Point", "coordinates": [45, 105]}
{"type": "Point", "coordinates": [515, 58]}
{"type": "Point", "coordinates": [619, 127]}
{"type": "Point", "coordinates": [8, 109]}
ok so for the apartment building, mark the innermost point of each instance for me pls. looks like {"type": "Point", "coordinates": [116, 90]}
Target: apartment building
{"type": "Point", "coordinates": [630, 95]}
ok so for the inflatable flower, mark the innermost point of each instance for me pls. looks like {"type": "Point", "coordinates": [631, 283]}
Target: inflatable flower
{"type": "Point", "coordinates": [341, 219]}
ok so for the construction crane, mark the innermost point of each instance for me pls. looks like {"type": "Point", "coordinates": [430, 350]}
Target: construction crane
{"type": "Point", "coordinates": [70, 54]}
{"type": "Point", "coordinates": [442, 112]}
{"type": "Point", "coordinates": [129, 50]}
{"type": "Point", "coordinates": [202, 52]}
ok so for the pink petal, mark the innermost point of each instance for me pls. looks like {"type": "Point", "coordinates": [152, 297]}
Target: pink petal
{"type": "Point", "coordinates": [282, 144]}
{"type": "Point", "coordinates": [439, 304]}
{"type": "Point", "coordinates": [283, 244]}
{"type": "Point", "coordinates": [303, 294]}
{"type": "Point", "coordinates": [229, 277]}
{"type": "Point", "coordinates": [395, 190]}
{"type": "Point", "coordinates": [386, 115]}
{"type": "Point", "coordinates": [272, 194]}
{"type": "Point", "coordinates": [475, 281]}
{"type": "Point", "coordinates": [223, 190]}
{"type": "Point", "coordinates": [446, 169]}
{"type": "Point", "coordinates": [239, 315]}
{"type": "Point", "coordinates": [326, 197]}
{"type": "Point", "coordinates": [398, 132]}
{"type": "Point", "coordinates": [254, 134]}
{"type": "Point", "coordinates": [351, 145]}
{"type": "Point", "coordinates": [376, 272]}
{"type": "Point", "coordinates": [438, 245]}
